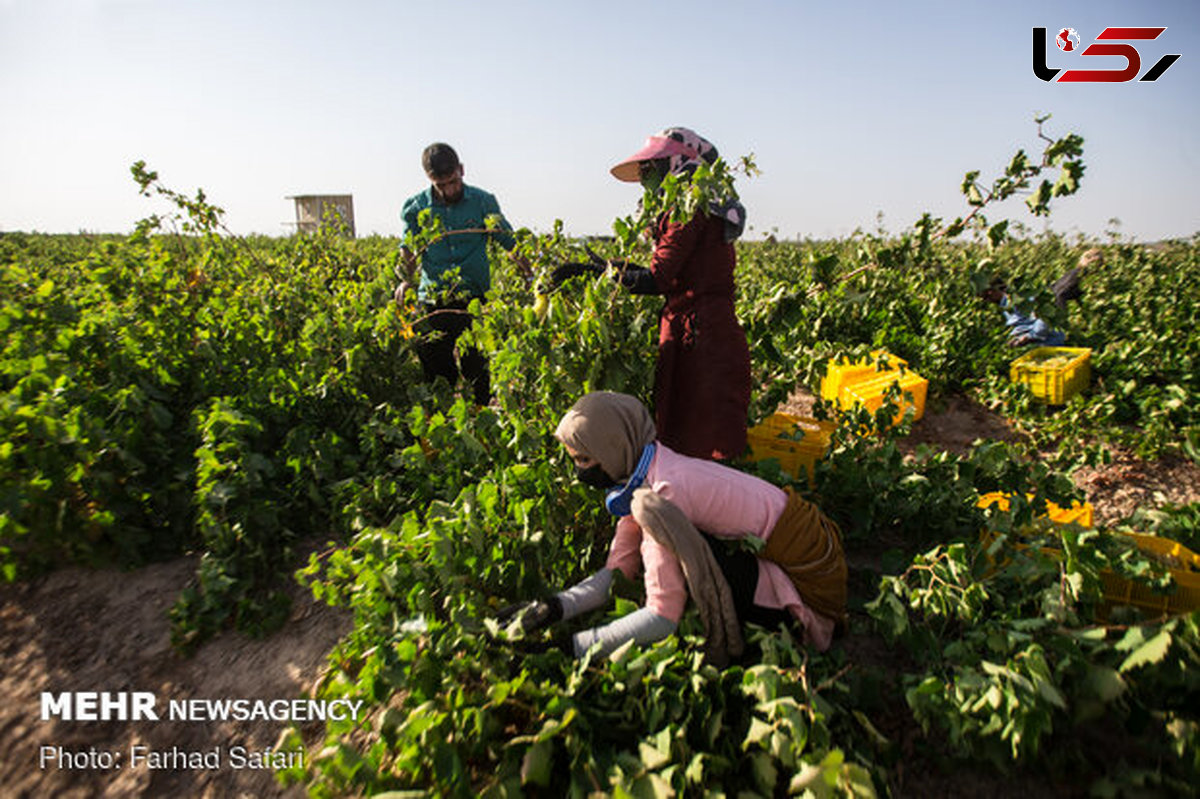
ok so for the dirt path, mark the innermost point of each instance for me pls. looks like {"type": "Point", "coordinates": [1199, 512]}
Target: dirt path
{"type": "Point", "coordinates": [81, 630]}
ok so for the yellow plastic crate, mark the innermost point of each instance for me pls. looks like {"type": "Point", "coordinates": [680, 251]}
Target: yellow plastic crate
{"type": "Point", "coordinates": [1180, 556]}
{"type": "Point", "coordinates": [1082, 514]}
{"type": "Point", "coordinates": [843, 372]}
{"type": "Point", "coordinates": [776, 438]}
{"type": "Point", "coordinates": [1184, 566]}
{"type": "Point", "coordinates": [1054, 384]}
{"type": "Point", "coordinates": [869, 393]}
{"type": "Point", "coordinates": [1185, 572]}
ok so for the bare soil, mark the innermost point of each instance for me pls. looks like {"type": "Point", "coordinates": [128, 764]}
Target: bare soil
{"type": "Point", "coordinates": [102, 630]}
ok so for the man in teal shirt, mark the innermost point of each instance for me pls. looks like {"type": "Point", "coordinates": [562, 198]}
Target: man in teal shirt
{"type": "Point", "coordinates": [454, 266]}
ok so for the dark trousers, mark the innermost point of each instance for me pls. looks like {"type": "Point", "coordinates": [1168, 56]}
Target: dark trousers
{"type": "Point", "coordinates": [740, 568]}
{"type": "Point", "coordinates": [437, 334]}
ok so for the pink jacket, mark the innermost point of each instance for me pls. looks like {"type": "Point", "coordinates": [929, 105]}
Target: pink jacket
{"type": "Point", "coordinates": [723, 502]}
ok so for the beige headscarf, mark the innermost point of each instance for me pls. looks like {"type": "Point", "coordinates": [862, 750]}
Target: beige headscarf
{"type": "Point", "coordinates": [613, 429]}
{"type": "Point", "coordinates": [610, 427]}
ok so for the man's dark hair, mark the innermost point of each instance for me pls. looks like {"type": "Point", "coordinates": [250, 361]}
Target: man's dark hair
{"type": "Point", "coordinates": [995, 290]}
{"type": "Point", "coordinates": [439, 160]}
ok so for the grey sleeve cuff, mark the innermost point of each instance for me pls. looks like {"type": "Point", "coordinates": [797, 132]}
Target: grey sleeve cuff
{"type": "Point", "coordinates": [643, 626]}
{"type": "Point", "coordinates": [587, 595]}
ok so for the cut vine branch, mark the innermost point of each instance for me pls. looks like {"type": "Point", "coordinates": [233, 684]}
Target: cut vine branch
{"type": "Point", "coordinates": [1065, 154]}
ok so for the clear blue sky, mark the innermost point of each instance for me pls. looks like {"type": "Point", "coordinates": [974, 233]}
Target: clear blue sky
{"type": "Point", "coordinates": [851, 110]}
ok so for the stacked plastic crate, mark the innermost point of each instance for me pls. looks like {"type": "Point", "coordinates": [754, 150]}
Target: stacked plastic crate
{"type": "Point", "coordinates": [864, 382]}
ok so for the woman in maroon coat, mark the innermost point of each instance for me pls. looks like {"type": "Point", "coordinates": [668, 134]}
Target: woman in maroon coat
{"type": "Point", "coordinates": [702, 380]}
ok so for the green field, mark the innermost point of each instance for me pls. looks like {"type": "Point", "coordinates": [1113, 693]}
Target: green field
{"type": "Point", "coordinates": [182, 390]}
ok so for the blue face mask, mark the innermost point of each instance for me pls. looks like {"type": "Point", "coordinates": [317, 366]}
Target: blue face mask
{"type": "Point", "coordinates": [619, 501]}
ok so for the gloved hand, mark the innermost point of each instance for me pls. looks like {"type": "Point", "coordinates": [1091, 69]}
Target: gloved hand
{"type": "Point", "coordinates": [534, 615]}
{"type": "Point", "coordinates": [560, 640]}
{"type": "Point", "coordinates": [564, 272]}
{"type": "Point", "coordinates": [638, 279]}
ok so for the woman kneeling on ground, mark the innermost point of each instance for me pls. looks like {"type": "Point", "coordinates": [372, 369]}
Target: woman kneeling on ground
{"type": "Point", "coordinates": [663, 500]}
